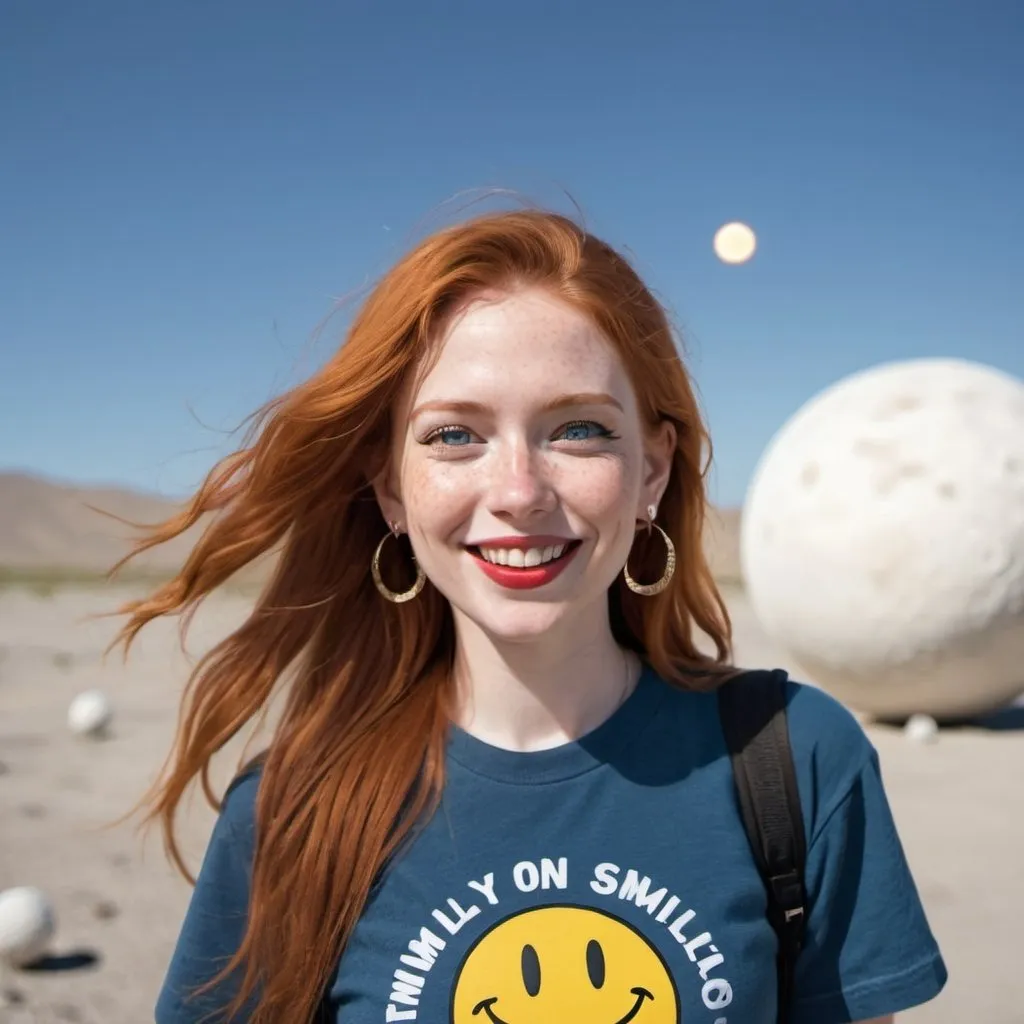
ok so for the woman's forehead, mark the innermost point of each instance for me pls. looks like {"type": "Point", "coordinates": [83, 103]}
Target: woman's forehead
{"type": "Point", "coordinates": [526, 340]}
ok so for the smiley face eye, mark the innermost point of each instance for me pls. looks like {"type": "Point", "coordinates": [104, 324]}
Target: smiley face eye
{"type": "Point", "coordinates": [531, 970]}
{"type": "Point", "coordinates": [595, 963]}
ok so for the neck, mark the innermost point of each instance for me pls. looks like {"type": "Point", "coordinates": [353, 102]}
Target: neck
{"type": "Point", "coordinates": [538, 694]}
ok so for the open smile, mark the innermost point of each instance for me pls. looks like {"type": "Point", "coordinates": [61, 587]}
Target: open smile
{"type": "Point", "coordinates": [487, 1006]}
{"type": "Point", "coordinates": [518, 567]}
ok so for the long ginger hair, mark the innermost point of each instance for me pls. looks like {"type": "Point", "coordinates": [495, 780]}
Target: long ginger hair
{"type": "Point", "coordinates": [357, 758]}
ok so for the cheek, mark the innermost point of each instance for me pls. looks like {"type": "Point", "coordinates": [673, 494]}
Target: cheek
{"type": "Point", "coordinates": [602, 488]}
{"type": "Point", "coordinates": [437, 495]}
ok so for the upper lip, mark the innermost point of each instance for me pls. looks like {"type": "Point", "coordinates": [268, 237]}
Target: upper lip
{"type": "Point", "coordinates": [541, 540]}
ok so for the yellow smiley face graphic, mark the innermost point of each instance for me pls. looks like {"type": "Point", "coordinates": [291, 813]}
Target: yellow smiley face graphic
{"type": "Point", "coordinates": [560, 963]}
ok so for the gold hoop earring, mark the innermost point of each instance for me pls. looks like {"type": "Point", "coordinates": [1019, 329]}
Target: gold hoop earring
{"type": "Point", "coordinates": [650, 589]}
{"type": "Point", "coordinates": [395, 597]}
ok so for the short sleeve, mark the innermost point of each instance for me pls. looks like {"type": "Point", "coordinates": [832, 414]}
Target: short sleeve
{"type": "Point", "coordinates": [216, 918]}
{"type": "Point", "coordinates": [869, 950]}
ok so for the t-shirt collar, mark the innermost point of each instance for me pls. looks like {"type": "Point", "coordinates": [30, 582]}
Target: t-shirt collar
{"type": "Point", "coordinates": [598, 747]}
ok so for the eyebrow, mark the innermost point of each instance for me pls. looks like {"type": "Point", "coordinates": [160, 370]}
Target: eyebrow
{"type": "Point", "coordinates": [578, 398]}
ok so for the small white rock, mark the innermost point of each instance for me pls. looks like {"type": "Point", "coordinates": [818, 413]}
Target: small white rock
{"type": "Point", "coordinates": [27, 924]}
{"type": "Point", "coordinates": [921, 729]}
{"type": "Point", "coordinates": [90, 714]}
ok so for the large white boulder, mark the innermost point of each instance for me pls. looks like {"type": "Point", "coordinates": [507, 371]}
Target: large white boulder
{"type": "Point", "coordinates": [882, 541]}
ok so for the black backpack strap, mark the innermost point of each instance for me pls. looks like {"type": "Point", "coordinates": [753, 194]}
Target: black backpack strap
{"type": "Point", "coordinates": [752, 707]}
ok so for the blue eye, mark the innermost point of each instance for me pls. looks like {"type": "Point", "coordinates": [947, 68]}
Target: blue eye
{"type": "Point", "coordinates": [451, 437]}
{"type": "Point", "coordinates": [583, 430]}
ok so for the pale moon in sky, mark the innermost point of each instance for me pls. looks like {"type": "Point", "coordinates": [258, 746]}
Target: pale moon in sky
{"type": "Point", "coordinates": [735, 243]}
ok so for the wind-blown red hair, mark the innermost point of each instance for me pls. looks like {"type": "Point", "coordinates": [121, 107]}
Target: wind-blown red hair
{"type": "Point", "coordinates": [357, 758]}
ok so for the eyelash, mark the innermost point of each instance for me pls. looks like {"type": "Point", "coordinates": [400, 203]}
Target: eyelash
{"type": "Point", "coordinates": [434, 435]}
{"type": "Point", "coordinates": [603, 432]}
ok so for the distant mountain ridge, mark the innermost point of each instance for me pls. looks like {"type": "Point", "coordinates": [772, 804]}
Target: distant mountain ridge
{"type": "Point", "coordinates": [47, 526]}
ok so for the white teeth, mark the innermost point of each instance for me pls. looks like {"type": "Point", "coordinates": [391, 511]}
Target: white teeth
{"type": "Point", "coordinates": [520, 559]}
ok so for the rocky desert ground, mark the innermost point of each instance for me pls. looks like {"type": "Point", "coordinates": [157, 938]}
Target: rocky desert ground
{"type": "Point", "coordinates": [119, 904]}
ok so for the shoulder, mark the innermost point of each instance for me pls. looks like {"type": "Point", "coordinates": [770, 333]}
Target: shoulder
{"type": "Point", "coordinates": [227, 864]}
{"type": "Point", "coordinates": [239, 802]}
{"type": "Point", "coordinates": [830, 750]}
{"type": "Point", "coordinates": [825, 737]}
{"type": "Point", "coordinates": [236, 822]}
{"type": "Point", "coordinates": [822, 728]}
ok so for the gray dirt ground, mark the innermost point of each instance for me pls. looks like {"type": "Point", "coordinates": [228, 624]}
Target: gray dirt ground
{"type": "Point", "coordinates": [957, 803]}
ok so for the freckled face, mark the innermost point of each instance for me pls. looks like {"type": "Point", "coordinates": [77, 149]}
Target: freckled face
{"type": "Point", "coordinates": [525, 427]}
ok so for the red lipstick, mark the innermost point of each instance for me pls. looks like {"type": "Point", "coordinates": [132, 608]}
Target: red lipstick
{"type": "Point", "coordinates": [526, 578]}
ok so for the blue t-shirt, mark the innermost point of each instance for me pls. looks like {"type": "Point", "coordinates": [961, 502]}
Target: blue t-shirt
{"type": "Point", "coordinates": [608, 880]}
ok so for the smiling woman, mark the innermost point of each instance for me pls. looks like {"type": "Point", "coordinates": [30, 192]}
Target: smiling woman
{"type": "Point", "coordinates": [499, 790]}
{"type": "Point", "coordinates": [495, 466]}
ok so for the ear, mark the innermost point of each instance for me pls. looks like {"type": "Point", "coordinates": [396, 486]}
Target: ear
{"type": "Point", "coordinates": [659, 447]}
{"type": "Point", "coordinates": [389, 500]}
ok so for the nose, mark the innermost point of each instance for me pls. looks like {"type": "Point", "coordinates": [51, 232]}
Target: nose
{"type": "Point", "coordinates": [519, 485]}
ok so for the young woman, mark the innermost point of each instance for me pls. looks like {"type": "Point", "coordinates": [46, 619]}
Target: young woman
{"type": "Point", "coordinates": [499, 791]}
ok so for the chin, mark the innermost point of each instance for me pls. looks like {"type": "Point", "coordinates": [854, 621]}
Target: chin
{"type": "Point", "coordinates": [519, 621]}
{"type": "Point", "coordinates": [520, 629]}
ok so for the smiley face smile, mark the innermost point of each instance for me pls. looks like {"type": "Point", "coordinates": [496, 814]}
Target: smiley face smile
{"type": "Point", "coordinates": [486, 1006]}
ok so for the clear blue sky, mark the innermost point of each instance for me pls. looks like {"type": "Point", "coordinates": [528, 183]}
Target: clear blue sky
{"type": "Point", "coordinates": [186, 187]}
